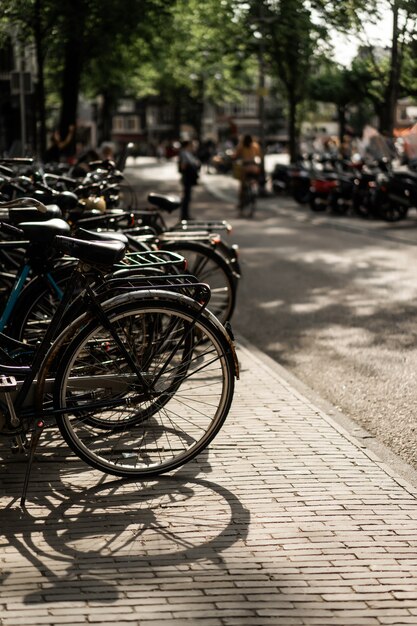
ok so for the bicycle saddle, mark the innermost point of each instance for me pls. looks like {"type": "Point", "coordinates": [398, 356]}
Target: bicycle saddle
{"type": "Point", "coordinates": [44, 232]}
{"type": "Point", "coordinates": [95, 253]}
{"type": "Point", "coordinates": [165, 203]}
{"type": "Point", "coordinates": [16, 216]}
{"type": "Point", "coordinates": [90, 235]}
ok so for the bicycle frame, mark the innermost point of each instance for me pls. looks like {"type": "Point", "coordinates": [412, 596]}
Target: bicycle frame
{"type": "Point", "coordinates": [17, 290]}
{"type": "Point", "coordinates": [23, 273]}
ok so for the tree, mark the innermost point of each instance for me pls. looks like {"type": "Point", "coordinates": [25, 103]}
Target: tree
{"type": "Point", "coordinates": [404, 13]}
{"type": "Point", "coordinates": [74, 36]}
{"type": "Point", "coordinates": [285, 36]}
{"type": "Point", "coordinates": [96, 34]}
{"type": "Point", "coordinates": [32, 21]}
{"type": "Point", "coordinates": [198, 55]}
{"type": "Point", "coordinates": [387, 71]}
{"type": "Point", "coordinates": [342, 86]}
{"type": "Point", "coordinates": [284, 39]}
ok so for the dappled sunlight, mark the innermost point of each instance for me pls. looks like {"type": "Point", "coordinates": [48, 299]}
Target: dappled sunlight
{"type": "Point", "coordinates": [280, 230]}
{"type": "Point", "coordinates": [359, 305]}
{"type": "Point", "coordinates": [347, 337]}
{"type": "Point", "coordinates": [272, 304]}
{"type": "Point", "coordinates": [327, 258]}
{"type": "Point", "coordinates": [316, 302]}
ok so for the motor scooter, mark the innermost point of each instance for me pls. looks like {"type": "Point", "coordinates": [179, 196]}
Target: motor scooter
{"type": "Point", "coordinates": [293, 179]}
{"type": "Point", "coordinates": [395, 194]}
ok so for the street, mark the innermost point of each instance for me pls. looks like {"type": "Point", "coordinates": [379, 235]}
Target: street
{"type": "Point", "coordinates": [331, 299]}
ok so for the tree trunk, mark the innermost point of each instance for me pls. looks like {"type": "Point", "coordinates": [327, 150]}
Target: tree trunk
{"type": "Point", "coordinates": [178, 106]}
{"type": "Point", "coordinates": [388, 120]}
{"type": "Point", "coordinates": [341, 115]}
{"type": "Point", "coordinates": [292, 127]}
{"type": "Point", "coordinates": [40, 94]}
{"type": "Point", "coordinates": [70, 88]}
{"type": "Point", "coordinates": [73, 64]}
{"type": "Point", "coordinates": [106, 116]}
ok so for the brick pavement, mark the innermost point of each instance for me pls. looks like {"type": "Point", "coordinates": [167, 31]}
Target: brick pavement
{"type": "Point", "coordinates": [285, 520]}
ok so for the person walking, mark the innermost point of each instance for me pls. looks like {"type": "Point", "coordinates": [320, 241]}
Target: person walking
{"type": "Point", "coordinates": [58, 145]}
{"type": "Point", "coordinates": [189, 167]}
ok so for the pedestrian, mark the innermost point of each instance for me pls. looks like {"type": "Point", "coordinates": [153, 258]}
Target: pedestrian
{"type": "Point", "coordinates": [189, 168]}
{"type": "Point", "coordinates": [58, 145]}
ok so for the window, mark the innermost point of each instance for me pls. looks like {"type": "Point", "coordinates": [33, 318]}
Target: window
{"type": "Point", "coordinates": [247, 108]}
{"type": "Point", "coordinates": [118, 123]}
{"type": "Point", "coordinates": [126, 124]}
{"type": "Point", "coordinates": [126, 105]}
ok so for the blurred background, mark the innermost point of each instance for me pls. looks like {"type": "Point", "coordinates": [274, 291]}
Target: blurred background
{"type": "Point", "coordinates": [299, 75]}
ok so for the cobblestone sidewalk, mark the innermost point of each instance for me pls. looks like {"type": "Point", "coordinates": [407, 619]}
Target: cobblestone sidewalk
{"type": "Point", "coordinates": [285, 520]}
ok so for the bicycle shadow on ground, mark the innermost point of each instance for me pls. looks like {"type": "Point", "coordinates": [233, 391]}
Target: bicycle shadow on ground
{"type": "Point", "coordinates": [85, 545]}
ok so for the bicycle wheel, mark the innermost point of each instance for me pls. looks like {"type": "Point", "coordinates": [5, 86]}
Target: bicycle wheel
{"type": "Point", "coordinates": [154, 412]}
{"type": "Point", "coordinates": [249, 196]}
{"type": "Point", "coordinates": [210, 267]}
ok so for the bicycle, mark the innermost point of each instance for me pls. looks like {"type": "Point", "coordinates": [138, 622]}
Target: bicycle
{"type": "Point", "coordinates": [137, 385]}
{"type": "Point", "coordinates": [250, 192]}
{"type": "Point", "coordinates": [209, 258]}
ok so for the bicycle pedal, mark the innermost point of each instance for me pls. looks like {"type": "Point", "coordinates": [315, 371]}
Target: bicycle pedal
{"type": "Point", "coordinates": [7, 383]}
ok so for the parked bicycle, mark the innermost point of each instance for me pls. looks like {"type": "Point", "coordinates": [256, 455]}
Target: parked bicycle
{"type": "Point", "coordinates": [138, 383]}
{"type": "Point", "coordinates": [250, 193]}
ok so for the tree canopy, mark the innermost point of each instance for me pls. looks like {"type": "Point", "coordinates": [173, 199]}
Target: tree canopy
{"type": "Point", "coordinates": [190, 52]}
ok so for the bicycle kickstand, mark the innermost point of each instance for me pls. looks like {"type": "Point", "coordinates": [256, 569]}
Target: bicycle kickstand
{"type": "Point", "coordinates": [39, 426]}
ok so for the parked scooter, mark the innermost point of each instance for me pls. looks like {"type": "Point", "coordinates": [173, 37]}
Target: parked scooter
{"type": "Point", "coordinates": [341, 199]}
{"type": "Point", "coordinates": [395, 194]}
{"type": "Point", "coordinates": [293, 179]}
{"type": "Point", "coordinates": [385, 193]}
{"type": "Point", "coordinates": [325, 185]}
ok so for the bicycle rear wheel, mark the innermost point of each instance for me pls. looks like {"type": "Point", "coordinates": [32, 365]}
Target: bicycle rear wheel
{"type": "Point", "coordinates": [210, 267]}
{"type": "Point", "coordinates": [155, 412]}
{"type": "Point", "coordinates": [250, 193]}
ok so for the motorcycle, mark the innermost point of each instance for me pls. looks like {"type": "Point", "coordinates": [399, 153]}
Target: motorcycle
{"type": "Point", "coordinates": [293, 179]}
{"type": "Point", "coordinates": [395, 194]}
{"type": "Point", "coordinates": [326, 186]}
{"type": "Point", "coordinates": [385, 193]}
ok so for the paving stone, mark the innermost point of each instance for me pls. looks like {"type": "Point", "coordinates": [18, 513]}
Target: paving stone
{"type": "Point", "coordinates": [285, 519]}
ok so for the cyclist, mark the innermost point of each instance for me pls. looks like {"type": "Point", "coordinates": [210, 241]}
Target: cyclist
{"type": "Point", "coordinates": [248, 152]}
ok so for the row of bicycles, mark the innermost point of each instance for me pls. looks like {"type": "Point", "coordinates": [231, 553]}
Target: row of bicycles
{"type": "Point", "coordinates": [371, 189]}
{"type": "Point", "coordinates": [115, 329]}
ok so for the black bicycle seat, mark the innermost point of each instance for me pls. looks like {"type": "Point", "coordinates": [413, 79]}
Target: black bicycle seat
{"type": "Point", "coordinates": [16, 216]}
{"type": "Point", "coordinates": [44, 232]}
{"type": "Point", "coordinates": [95, 253]}
{"type": "Point", "coordinates": [165, 203]}
{"type": "Point", "coordinates": [90, 235]}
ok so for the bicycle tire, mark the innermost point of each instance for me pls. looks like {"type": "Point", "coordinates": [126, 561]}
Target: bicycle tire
{"type": "Point", "coordinates": [249, 197]}
{"type": "Point", "coordinates": [148, 438]}
{"type": "Point", "coordinates": [210, 267]}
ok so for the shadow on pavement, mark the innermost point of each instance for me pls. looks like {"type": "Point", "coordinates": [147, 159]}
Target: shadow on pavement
{"type": "Point", "coordinates": [85, 543]}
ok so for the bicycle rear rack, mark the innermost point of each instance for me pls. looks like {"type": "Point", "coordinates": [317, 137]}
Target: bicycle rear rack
{"type": "Point", "coordinates": [154, 259]}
